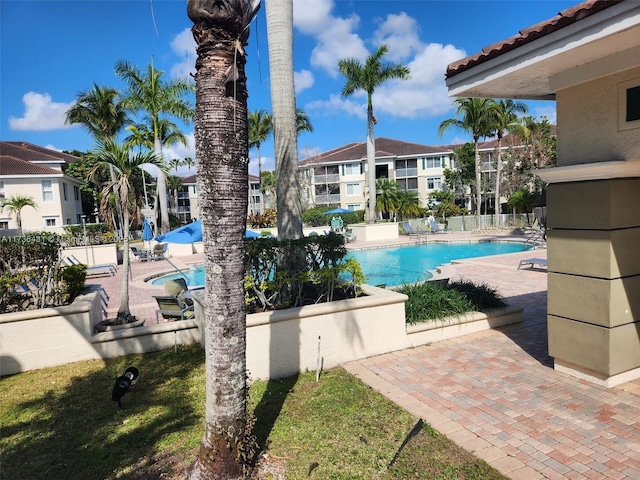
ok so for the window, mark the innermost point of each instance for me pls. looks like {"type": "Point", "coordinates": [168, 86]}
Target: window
{"type": "Point", "coordinates": [434, 183]}
{"type": "Point", "coordinates": [65, 194]}
{"type": "Point", "coordinates": [407, 183]}
{"type": "Point", "coordinates": [76, 193]}
{"type": "Point", "coordinates": [47, 191]}
{"type": "Point", "coordinates": [4, 225]}
{"type": "Point", "coordinates": [629, 104]}
{"type": "Point", "coordinates": [353, 189]}
{"type": "Point", "coordinates": [352, 169]}
{"type": "Point", "coordinates": [2, 190]}
{"type": "Point", "coordinates": [432, 162]}
{"type": "Point", "coordinates": [354, 206]}
{"type": "Point", "coordinates": [50, 222]}
{"type": "Point", "coordinates": [633, 104]}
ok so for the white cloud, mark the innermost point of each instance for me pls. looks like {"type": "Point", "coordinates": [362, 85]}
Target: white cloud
{"type": "Point", "coordinates": [184, 46]}
{"type": "Point", "coordinates": [399, 33]}
{"type": "Point", "coordinates": [337, 104]}
{"type": "Point", "coordinates": [268, 163]}
{"type": "Point", "coordinates": [308, 152]}
{"type": "Point", "coordinates": [334, 35]}
{"type": "Point", "coordinates": [303, 79]}
{"type": "Point", "coordinates": [41, 113]}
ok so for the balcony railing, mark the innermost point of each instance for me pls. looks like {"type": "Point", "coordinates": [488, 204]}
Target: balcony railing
{"type": "Point", "coordinates": [321, 199]}
{"type": "Point", "coordinates": [320, 179]}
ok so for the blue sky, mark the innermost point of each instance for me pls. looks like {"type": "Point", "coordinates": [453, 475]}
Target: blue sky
{"type": "Point", "coordinates": [52, 50]}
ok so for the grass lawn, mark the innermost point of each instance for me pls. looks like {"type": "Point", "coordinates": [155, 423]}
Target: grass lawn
{"type": "Point", "coordinates": [60, 423]}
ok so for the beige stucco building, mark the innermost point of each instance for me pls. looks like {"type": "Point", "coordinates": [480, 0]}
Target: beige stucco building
{"type": "Point", "coordinates": [31, 171]}
{"type": "Point", "coordinates": [587, 58]}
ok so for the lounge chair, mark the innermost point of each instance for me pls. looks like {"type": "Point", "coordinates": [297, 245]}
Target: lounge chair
{"type": "Point", "coordinates": [93, 270]}
{"type": "Point", "coordinates": [349, 236]}
{"type": "Point", "coordinates": [409, 230]}
{"type": "Point", "coordinates": [532, 261]}
{"type": "Point", "coordinates": [177, 287]}
{"type": "Point", "coordinates": [172, 308]}
{"type": "Point", "coordinates": [141, 255]}
{"type": "Point", "coordinates": [159, 251]}
{"type": "Point", "coordinates": [434, 225]}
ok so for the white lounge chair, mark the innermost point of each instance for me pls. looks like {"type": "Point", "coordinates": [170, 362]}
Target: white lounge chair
{"type": "Point", "coordinates": [532, 261]}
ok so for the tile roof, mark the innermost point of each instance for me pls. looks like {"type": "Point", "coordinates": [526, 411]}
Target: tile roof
{"type": "Point", "coordinates": [32, 153]}
{"type": "Point", "coordinates": [561, 20]}
{"type": "Point", "coordinates": [385, 147]}
{"type": "Point", "coordinates": [10, 165]}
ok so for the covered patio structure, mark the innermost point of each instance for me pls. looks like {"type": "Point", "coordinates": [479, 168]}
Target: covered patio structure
{"type": "Point", "coordinates": [587, 59]}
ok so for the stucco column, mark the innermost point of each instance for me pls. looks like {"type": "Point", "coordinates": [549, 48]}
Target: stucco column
{"type": "Point", "coordinates": [593, 217]}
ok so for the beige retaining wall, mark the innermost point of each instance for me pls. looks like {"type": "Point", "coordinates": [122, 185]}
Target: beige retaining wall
{"type": "Point", "coordinates": [279, 343]}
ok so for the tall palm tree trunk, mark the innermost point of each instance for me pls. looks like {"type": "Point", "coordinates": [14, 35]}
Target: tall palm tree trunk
{"type": "Point", "coordinates": [498, 174]}
{"type": "Point", "coordinates": [371, 163]}
{"type": "Point", "coordinates": [161, 189]}
{"type": "Point", "coordinates": [222, 154]}
{"type": "Point", "coordinates": [123, 311]}
{"type": "Point", "coordinates": [478, 181]}
{"type": "Point", "coordinates": [283, 103]}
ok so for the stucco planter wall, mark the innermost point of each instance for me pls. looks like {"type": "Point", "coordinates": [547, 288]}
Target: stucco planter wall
{"type": "Point", "coordinates": [279, 343]}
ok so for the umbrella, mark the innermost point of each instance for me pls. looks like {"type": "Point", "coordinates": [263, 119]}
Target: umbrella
{"type": "Point", "coordinates": [147, 234]}
{"type": "Point", "coordinates": [338, 211]}
{"type": "Point", "coordinates": [192, 232]}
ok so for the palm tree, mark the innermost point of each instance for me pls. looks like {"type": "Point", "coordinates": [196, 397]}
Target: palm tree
{"type": "Point", "coordinates": [189, 162]}
{"type": "Point", "coordinates": [368, 77]}
{"type": "Point", "coordinates": [103, 114]}
{"type": "Point", "coordinates": [521, 201]}
{"type": "Point", "coordinates": [222, 149]}
{"type": "Point", "coordinates": [157, 98]}
{"type": "Point", "coordinates": [279, 15]}
{"type": "Point", "coordinates": [387, 196]}
{"type": "Point", "coordinates": [505, 119]}
{"type": "Point", "coordinates": [15, 205]}
{"type": "Point", "coordinates": [99, 111]}
{"type": "Point", "coordinates": [124, 163]}
{"type": "Point", "coordinates": [175, 163]}
{"type": "Point", "coordinates": [260, 127]}
{"type": "Point", "coordinates": [476, 115]}
{"type": "Point", "coordinates": [303, 124]}
{"type": "Point", "coordinates": [409, 204]}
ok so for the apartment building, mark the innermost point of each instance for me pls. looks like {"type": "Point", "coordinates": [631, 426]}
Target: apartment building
{"type": "Point", "coordinates": [37, 172]}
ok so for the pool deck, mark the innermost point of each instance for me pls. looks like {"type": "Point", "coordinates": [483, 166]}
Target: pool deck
{"type": "Point", "coordinates": [495, 393]}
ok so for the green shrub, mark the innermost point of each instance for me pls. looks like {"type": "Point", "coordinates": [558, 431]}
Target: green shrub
{"type": "Point", "coordinates": [430, 301]}
{"type": "Point", "coordinates": [316, 217]}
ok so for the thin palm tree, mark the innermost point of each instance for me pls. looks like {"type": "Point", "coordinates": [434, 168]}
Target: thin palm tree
{"type": "Point", "coordinates": [279, 15]}
{"type": "Point", "coordinates": [368, 77]}
{"type": "Point", "coordinates": [15, 204]}
{"type": "Point", "coordinates": [409, 204]}
{"type": "Point", "coordinates": [222, 149]}
{"type": "Point", "coordinates": [260, 127]}
{"type": "Point", "coordinates": [505, 119]}
{"type": "Point", "coordinates": [473, 115]}
{"type": "Point", "coordinates": [124, 163]}
{"type": "Point", "coordinates": [158, 99]}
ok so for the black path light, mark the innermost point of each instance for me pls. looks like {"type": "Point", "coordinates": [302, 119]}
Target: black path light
{"type": "Point", "coordinates": [123, 384]}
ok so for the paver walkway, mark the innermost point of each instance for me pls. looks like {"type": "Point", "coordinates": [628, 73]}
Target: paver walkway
{"type": "Point", "coordinates": [496, 394]}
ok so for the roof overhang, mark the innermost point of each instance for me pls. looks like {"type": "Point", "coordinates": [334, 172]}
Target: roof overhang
{"type": "Point", "coordinates": [600, 44]}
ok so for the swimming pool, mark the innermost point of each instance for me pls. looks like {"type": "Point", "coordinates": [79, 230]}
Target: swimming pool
{"type": "Point", "coordinates": [396, 265]}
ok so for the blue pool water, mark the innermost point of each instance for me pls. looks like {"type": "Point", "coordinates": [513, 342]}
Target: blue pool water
{"type": "Point", "coordinates": [396, 265]}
